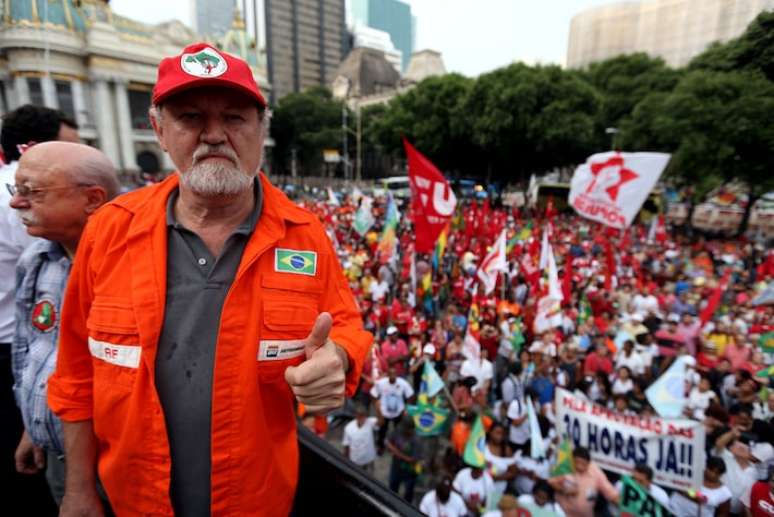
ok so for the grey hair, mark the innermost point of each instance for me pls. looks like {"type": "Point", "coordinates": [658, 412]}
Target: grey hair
{"type": "Point", "coordinates": [96, 169]}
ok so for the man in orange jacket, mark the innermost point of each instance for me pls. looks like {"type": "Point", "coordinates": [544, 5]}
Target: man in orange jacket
{"type": "Point", "coordinates": [197, 309]}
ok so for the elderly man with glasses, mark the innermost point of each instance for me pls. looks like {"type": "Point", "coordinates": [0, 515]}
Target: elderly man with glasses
{"type": "Point", "coordinates": [58, 185]}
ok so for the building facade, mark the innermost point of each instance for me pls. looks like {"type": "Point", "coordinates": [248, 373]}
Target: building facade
{"type": "Point", "coordinates": [305, 42]}
{"type": "Point", "coordinates": [368, 37]}
{"type": "Point", "coordinates": [675, 30]}
{"type": "Point", "coordinates": [100, 69]}
{"type": "Point", "coordinates": [213, 18]}
{"type": "Point", "coordinates": [391, 16]}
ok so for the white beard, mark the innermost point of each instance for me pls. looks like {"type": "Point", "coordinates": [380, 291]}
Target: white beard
{"type": "Point", "coordinates": [216, 179]}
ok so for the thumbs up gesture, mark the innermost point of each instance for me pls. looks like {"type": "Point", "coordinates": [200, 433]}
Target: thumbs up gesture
{"type": "Point", "coordinates": [318, 382]}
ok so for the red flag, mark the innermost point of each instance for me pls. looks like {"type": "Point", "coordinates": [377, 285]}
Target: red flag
{"type": "Point", "coordinates": [432, 199]}
{"type": "Point", "coordinates": [661, 233]}
{"type": "Point", "coordinates": [714, 300]}
{"type": "Point", "coordinates": [567, 279]}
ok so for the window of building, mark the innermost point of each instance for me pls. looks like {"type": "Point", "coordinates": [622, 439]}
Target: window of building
{"type": "Point", "coordinates": [64, 96]}
{"type": "Point", "coordinates": [139, 102]}
{"type": "Point", "coordinates": [35, 90]}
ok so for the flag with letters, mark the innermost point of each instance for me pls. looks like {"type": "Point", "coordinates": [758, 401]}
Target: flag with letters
{"type": "Point", "coordinates": [611, 187]}
{"type": "Point", "coordinates": [432, 199]}
{"type": "Point", "coordinates": [635, 501]}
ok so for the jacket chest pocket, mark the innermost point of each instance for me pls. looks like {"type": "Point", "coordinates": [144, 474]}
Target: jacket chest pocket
{"type": "Point", "coordinates": [288, 315]}
{"type": "Point", "coordinates": [114, 342]}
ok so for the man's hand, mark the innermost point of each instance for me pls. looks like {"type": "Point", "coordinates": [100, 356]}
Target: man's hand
{"type": "Point", "coordinates": [318, 382]}
{"type": "Point", "coordinates": [81, 504]}
{"type": "Point", "coordinates": [30, 459]}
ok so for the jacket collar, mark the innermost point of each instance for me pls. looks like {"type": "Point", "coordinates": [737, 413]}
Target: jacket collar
{"type": "Point", "coordinates": [275, 205]}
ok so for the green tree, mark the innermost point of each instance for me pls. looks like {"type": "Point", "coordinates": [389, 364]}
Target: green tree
{"type": "Point", "coordinates": [753, 51]}
{"type": "Point", "coordinates": [428, 115]}
{"type": "Point", "coordinates": [306, 122]}
{"type": "Point", "coordinates": [718, 126]}
{"type": "Point", "coordinates": [622, 83]}
{"type": "Point", "coordinates": [529, 119]}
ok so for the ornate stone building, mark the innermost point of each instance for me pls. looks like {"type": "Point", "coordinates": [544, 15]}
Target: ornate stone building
{"type": "Point", "coordinates": [99, 67]}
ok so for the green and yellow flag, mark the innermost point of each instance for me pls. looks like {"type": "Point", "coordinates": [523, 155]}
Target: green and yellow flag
{"type": "Point", "coordinates": [429, 420]}
{"type": "Point", "coordinates": [474, 449]}
{"type": "Point", "coordinates": [766, 342]}
{"type": "Point", "coordinates": [634, 501]}
{"type": "Point", "coordinates": [564, 462]}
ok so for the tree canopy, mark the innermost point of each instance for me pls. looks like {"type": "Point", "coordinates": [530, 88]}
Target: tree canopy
{"type": "Point", "coordinates": [713, 115]}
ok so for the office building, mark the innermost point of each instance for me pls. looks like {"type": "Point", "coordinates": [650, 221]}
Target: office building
{"type": "Point", "coordinates": [305, 42]}
{"type": "Point", "coordinates": [675, 30]}
{"type": "Point", "coordinates": [391, 16]}
{"type": "Point", "coordinates": [99, 68]}
{"type": "Point", "coordinates": [213, 18]}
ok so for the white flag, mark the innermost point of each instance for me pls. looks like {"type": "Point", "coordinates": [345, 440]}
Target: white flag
{"type": "Point", "coordinates": [536, 448]}
{"type": "Point", "coordinates": [554, 289]}
{"type": "Point", "coordinates": [332, 199]}
{"type": "Point", "coordinates": [611, 187]}
{"type": "Point", "coordinates": [667, 393]}
{"type": "Point", "coordinates": [471, 348]}
{"type": "Point", "coordinates": [364, 218]}
{"type": "Point", "coordinates": [494, 263]}
{"type": "Point", "coordinates": [548, 315]}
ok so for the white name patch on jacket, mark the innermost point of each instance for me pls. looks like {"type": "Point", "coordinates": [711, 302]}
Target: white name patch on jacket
{"type": "Point", "coordinates": [277, 350]}
{"type": "Point", "coordinates": [127, 356]}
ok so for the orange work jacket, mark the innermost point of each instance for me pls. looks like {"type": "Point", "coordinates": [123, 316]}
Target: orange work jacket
{"type": "Point", "coordinates": [111, 322]}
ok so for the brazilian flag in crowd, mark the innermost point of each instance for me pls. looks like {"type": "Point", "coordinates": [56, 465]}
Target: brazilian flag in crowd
{"type": "Point", "coordinates": [474, 449]}
{"type": "Point", "coordinates": [564, 462]}
{"type": "Point", "coordinates": [430, 384]}
{"type": "Point", "coordinates": [429, 419]}
{"type": "Point", "coordinates": [766, 342]}
{"type": "Point", "coordinates": [517, 335]}
{"type": "Point", "coordinates": [584, 311]}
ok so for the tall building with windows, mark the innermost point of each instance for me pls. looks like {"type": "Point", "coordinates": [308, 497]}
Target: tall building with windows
{"type": "Point", "coordinates": [213, 18]}
{"type": "Point", "coordinates": [305, 42]}
{"type": "Point", "coordinates": [99, 68]}
{"type": "Point", "coordinates": [675, 30]}
{"type": "Point", "coordinates": [391, 16]}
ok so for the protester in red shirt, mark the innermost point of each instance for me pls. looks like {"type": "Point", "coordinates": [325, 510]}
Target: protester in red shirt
{"type": "Point", "coordinates": [760, 501]}
{"type": "Point", "coordinates": [598, 360]}
{"type": "Point", "coordinates": [395, 351]}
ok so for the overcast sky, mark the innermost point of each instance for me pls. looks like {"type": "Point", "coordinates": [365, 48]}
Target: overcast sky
{"type": "Point", "coordinates": [474, 36]}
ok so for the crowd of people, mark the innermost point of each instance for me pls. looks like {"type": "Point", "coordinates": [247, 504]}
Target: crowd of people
{"type": "Point", "coordinates": [635, 301]}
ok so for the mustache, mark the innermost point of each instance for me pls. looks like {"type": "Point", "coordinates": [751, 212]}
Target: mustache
{"type": "Point", "coordinates": [26, 216]}
{"type": "Point", "coordinates": [205, 150]}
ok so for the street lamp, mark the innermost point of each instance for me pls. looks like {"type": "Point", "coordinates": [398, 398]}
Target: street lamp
{"type": "Point", "coordinates": [612, 131]}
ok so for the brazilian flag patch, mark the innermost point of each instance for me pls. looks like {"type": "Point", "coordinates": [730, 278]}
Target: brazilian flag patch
{"type": "Point", "coordinates": [294, 261]}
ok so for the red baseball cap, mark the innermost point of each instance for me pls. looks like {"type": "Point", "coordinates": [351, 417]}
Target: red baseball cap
{"type": "Point", "coordinates": [200, 64]}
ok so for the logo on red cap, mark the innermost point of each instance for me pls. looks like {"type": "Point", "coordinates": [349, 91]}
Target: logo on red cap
{"type": "Point", "coordinates": [203, 63]}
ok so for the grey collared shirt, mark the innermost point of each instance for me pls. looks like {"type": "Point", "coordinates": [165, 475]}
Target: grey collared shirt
{"type": "Point", "coordinates": [197, 284]}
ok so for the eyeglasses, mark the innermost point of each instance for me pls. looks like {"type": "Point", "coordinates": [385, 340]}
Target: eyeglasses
{"type": "Point", "coordinates": [31, 193]}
